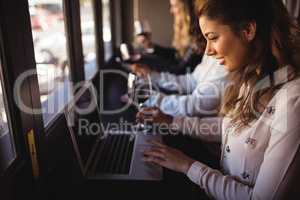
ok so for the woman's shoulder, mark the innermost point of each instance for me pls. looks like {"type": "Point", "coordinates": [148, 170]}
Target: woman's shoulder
{"type": "Point", "coordinates": [284, 108]}
{"type": "Point", "coordinates": [287, 99]}
{"type": "Point", "coordinates": [290, 89]}
{"type": "Point", "coordinates": [294, 83]}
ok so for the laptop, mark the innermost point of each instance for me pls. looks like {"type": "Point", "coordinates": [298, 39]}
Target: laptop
{"type": "Point", "coordinates": [107, 154]}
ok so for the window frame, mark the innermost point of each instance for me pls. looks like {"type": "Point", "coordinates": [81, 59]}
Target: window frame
{"type": "Point", "coordinates": [71, 12]}
{"type": "Point", "coordinates": [17, 56]}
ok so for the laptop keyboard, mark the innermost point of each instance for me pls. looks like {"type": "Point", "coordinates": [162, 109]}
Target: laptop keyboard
{"type": "Point", "coordinates": [114, 154]}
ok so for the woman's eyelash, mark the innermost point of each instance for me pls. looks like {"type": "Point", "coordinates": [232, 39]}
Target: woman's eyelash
{"type": "Point", "coordinates": [213, 38]}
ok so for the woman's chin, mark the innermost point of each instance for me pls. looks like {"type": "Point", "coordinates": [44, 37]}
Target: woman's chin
{"type": "Point", "coordinates": [228, 68]}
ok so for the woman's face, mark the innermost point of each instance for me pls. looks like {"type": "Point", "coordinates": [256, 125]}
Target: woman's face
{"type": "Point", "coordinates": [175, 7]}
{"type": "Point", "coordinates": [224, 45]}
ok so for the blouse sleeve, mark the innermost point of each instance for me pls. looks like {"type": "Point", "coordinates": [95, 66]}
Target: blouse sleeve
{"type": "Point", "coordinates": [282, 148]}
{"type": "Point", "coordinates": [278, 157]}
{"type": "Point", "coordinates": [183, 84]}
{"type": "Point", "coordinates": [204, 101]}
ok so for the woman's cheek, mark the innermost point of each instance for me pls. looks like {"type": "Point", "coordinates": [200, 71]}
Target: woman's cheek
{"type": "Point", "coordinates": [221, 47]}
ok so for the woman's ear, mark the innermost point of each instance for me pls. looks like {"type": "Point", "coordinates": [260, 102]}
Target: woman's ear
{"type": "Point", "coordinates": [249, 32]}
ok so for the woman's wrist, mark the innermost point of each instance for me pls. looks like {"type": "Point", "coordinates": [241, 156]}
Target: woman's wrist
{"type": "Point", "coordinates": [187, 165]}
{"type": "Point", "coordinates": [168, 119]}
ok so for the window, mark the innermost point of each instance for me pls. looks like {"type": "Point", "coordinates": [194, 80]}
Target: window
{"type": "Point", "coordinates": [88, 37]}
{"type": "Point", "coordinates": [107, 36]}
{"type": "Point", "coordinates": [50, 47]}
{"type": "Point", "coordinates": [7, 147]}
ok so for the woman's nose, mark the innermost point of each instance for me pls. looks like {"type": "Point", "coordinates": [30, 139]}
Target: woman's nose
{"type": "Point", "coordinates": [209, 50]}
{"type": "Point", "coordinates": [171, 10]}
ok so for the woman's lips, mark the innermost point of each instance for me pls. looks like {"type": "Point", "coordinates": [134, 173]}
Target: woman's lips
{"type": "Point", "coordinates": [221, 61]}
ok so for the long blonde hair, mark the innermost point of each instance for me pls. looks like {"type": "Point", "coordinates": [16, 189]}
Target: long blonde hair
{"type": "Point", "coordinates": [181, 26]}
{"type": "Point", "coordinates": [186, 28]}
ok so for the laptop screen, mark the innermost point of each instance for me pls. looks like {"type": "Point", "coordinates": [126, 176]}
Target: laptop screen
{"type": "Point", "coordinates": [84, 123]}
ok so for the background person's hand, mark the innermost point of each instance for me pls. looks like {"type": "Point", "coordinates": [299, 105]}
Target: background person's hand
{"type": "Point", "coordinates": [140, 70]}
{"type": "Point", "coordinates": [153, 115]}
{"type": "Point", "coordinates": [168, 157]}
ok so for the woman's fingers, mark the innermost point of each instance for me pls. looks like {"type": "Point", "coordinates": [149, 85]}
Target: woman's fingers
{"type": "Point", "coordinates": [148, 110]}
{"type": "Point", "coordinates": [140, 69]}
{"type": "Point", "coordinates": [155, 160]}
{"type": "Point", "coordinates": [156, 143]}
{"type": "Point", "coordinates": [133, 67]}
{"type": "Point", "coordinates": [153, 115]}
{"type": "Point", "coordinates": [143, 118]}
{"type": "Point", "coordinates": [160, 155]}
{"type": "Point", "coordinates": [145, 114]}
{"type": "Point", "coordinates": [155, 152]}
{"type": "Point", "coordinates": [156, 155]}
{"type": "Point", "coordinates": [167, 157]}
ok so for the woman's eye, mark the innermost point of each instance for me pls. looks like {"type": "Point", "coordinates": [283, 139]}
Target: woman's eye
{"type": "Point", "coordinates": [213, 38]}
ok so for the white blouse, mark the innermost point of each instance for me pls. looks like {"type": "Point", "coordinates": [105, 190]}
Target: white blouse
{"type": "Point", "coordinates": [199, 92]}
{"type": "Point", "coordinates": [255, 161]}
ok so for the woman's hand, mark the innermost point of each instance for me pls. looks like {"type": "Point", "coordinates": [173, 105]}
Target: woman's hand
{"type": "Point", "coordinates": [168, 157]}
{"type": "Point", "coordinates": [153, 115]}
{"type": "Point", "coordinates": [140, 70]}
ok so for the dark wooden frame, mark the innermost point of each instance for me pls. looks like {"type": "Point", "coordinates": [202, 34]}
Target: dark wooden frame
{"type": "Point", "coordinates": [17, 56]}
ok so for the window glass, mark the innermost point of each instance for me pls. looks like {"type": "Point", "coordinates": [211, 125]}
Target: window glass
{"type": "Point", "coordinates": [107, 36]}
{"type": "Point", "coordinates": [7, 146]}
{"type": "Point", "coordinates": [50, 47]}
{"type": "Point", "coordinates": [88, 37]}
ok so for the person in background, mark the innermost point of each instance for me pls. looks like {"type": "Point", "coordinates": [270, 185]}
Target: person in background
{"type": "Point", "coordinates": [187, 42]}
{"type": "Point", "coordinates": [259, 120]}
{"type": "Point", "coordinates": [147, 49]}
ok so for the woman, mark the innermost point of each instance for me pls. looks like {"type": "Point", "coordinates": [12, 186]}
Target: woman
{"type": "Point", "coordinates": [260, 132]}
